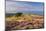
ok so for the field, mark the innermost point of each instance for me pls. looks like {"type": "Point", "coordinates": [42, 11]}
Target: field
{"type": "Point", "coordinates": [25, 21]}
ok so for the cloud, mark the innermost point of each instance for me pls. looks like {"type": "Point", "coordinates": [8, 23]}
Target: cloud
{"type": "Point", "coordinates": [28, 8]}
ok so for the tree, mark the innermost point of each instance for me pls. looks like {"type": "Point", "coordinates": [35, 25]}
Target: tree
{"type": "Point", "coordinates": [18, 14]}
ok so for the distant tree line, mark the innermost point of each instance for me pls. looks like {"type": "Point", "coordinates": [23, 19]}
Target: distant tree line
{"type": "Point", "coordinates": [12, 14]}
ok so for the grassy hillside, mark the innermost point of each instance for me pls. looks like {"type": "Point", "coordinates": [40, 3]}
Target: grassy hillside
{"type": "Point", "coordinates": [24, 21]}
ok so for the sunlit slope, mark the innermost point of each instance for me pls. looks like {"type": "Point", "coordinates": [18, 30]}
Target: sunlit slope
{"type": "Point", "coordinates": [20, 18]}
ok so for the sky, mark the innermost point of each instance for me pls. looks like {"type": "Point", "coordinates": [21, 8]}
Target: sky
{"type": "Point", "coordinates": [20, 6]}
